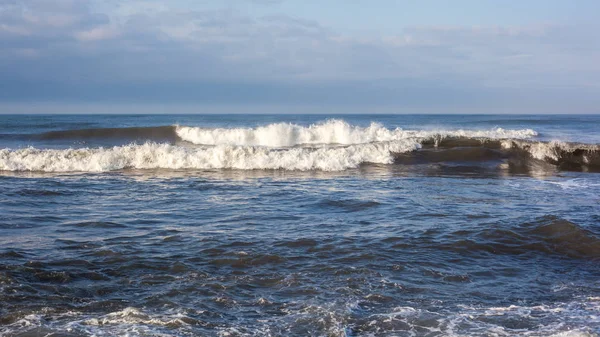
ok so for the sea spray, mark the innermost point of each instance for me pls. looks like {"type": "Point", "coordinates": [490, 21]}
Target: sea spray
{"type": "Point", "coordinates": [328, 132]}
{"type": "Point", "coordinates": [166, 156]}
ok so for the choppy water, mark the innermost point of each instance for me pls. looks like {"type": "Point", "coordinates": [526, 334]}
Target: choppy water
{"type": "Point", "coordinates": [252, 226]}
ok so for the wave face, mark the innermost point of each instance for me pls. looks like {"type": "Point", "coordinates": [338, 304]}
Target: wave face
{"type": "Point", "coordinates": [564, 155]}
{"type": "Point", "coordinates": [548, 235]}
{"type": "Point", "coordinates": [333, 145]}
{"type": "Point", "coordinates": [158, 133]}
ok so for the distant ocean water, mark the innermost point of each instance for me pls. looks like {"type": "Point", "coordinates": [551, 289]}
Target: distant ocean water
{"type": "Point", "coordinates": [299, 225]}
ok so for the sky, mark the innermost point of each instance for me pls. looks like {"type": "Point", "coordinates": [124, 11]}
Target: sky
{"type": "Point", "coordinates": [299, 56]}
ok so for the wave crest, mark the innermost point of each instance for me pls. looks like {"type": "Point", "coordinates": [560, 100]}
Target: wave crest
{"type": "Point", "coordinates": [332, 145]}
{"type": "Point", "coordinates": [329, 132]}
{"type": "Point", "coordinates": [564, 155]}
{"type": "Point", "coordinates": [166, 156]}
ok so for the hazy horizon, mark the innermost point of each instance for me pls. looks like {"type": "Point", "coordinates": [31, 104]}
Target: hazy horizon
{"type": "Point", "coordinates": [289, 56]}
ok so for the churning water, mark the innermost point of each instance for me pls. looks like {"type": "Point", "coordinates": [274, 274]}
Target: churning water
{"type": "Point", "coordinates": [286, 225]}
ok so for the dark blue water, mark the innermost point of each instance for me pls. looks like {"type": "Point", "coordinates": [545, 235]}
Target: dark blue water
{"type": "Point", "coordinates": [244, 226]}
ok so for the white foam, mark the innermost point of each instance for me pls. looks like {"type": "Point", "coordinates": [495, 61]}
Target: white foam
{"type": "Point", "coordinates": [574, 319]}
{"type": "Point", "coordinates": [134, 316]}
{"type": "Point", "coordinates": [329, 132]}
{"type": "Point", "coordinates": [333, 145]}
{"type": "Point", "coordinates": [165, 156]}
{"type": "Point", "coordinates": [550, 150]}
{"type": "Point", "coordinates": [579, 318]}
{"type": "Point", "coordinates": [537, 150]}
{"type": "Point", "coordinates": [577, 184]}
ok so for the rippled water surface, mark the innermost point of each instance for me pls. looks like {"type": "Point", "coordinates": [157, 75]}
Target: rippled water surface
{"type": "Point", "coordinates": [465, 239]}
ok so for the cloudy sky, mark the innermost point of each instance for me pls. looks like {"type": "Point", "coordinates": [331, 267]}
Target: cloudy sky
{"type": "Point", "coordinates": [290, 56]}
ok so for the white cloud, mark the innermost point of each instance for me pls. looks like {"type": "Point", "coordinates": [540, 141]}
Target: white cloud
{"type": "Point", "coordinates": [97, 33]}
{"type": "Point", "coordinates": [122, 42]}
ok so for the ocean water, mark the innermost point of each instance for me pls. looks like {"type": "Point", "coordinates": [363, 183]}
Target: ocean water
{"type": "Point", "coordinates": [299, 225]}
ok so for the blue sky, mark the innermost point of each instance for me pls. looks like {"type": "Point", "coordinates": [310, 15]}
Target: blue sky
{"type": "Point", "coordinates": [290, 56]}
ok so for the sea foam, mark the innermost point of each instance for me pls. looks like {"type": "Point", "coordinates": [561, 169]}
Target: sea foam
{"type": "Point", "coordinates": [329, 132]}
{"type": "Point", "coordinates": [332, 145]}
{"type": "Point", "coordinates": [166, 156]}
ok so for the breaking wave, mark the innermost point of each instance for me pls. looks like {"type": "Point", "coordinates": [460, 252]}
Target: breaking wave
{"type": "Point", "coordinates": [332, 145]}
{"type": "Point", "coordinates": [166, 156]}
{"type": "Point", "coordinates": [567, 156]}
{"type": "Point", "coordinates": [329, 132]}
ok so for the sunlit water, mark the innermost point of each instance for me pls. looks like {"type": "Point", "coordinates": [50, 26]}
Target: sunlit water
{"type": "Point", "coordinates": [460, 240]}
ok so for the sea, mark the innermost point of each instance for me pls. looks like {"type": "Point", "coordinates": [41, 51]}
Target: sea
{"type": "Point", "coordinates": [299, 225]}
